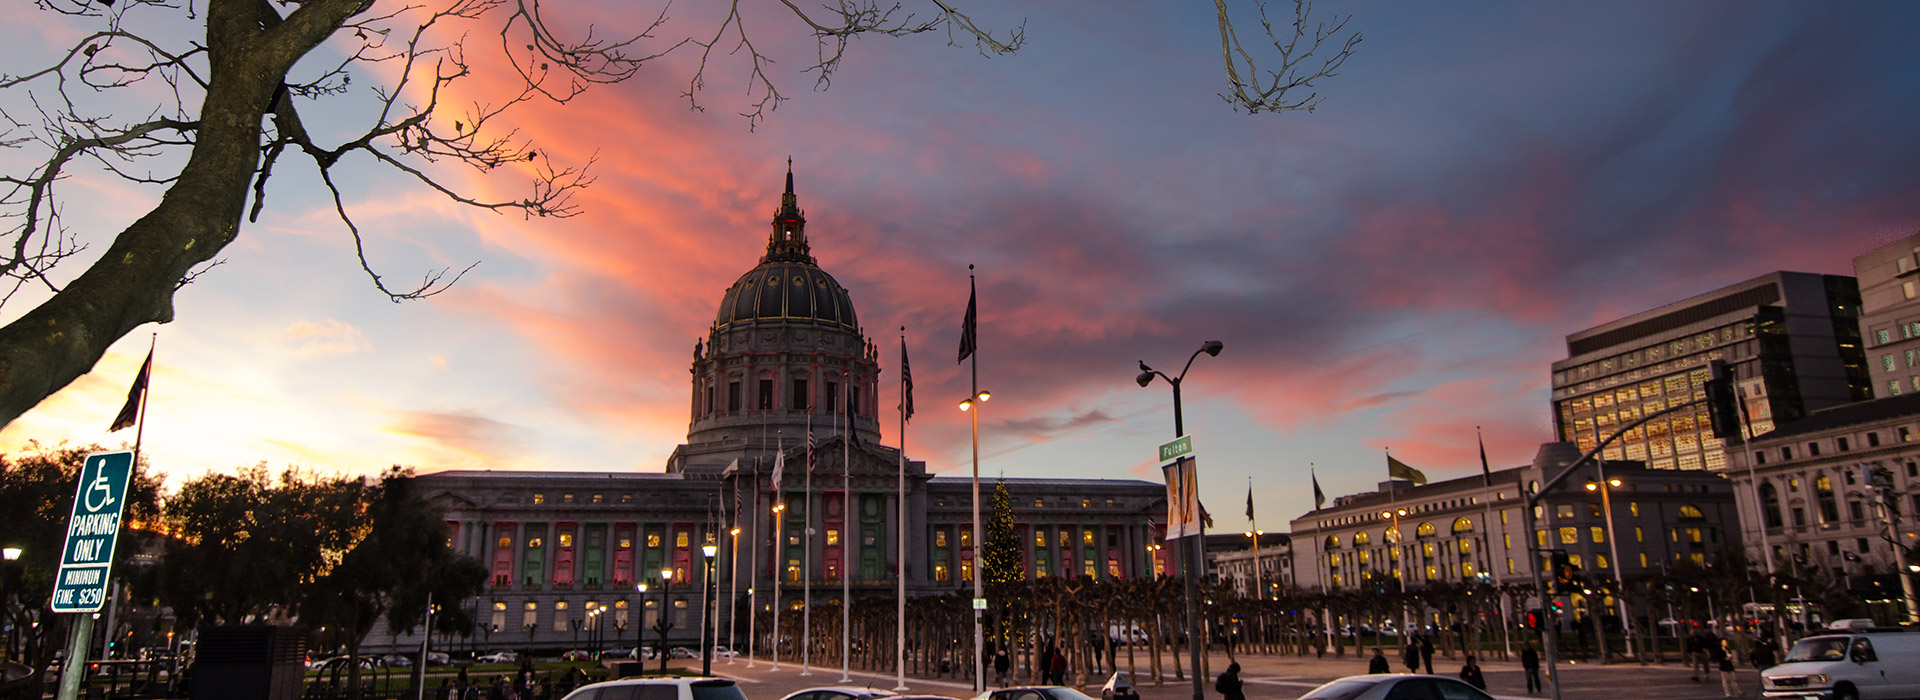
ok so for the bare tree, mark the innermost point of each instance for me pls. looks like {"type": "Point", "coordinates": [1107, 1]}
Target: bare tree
{"type": "Point", "coordinates": [1279, 90]}
{"type": "Point", "coordinates": [208, 119]}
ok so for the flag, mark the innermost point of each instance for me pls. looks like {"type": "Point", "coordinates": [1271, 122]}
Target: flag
{"type": "Point", "coordinates": [736, 502]}
{"type": "Point", "coordinates": [967, 330]}
{"type": "Point", "coordinates": [1486, 473]}
{"type": "Point", "coordinates": [779, 466]}
{"type": "Point", "coordinates": [1319, 497]}
{"type": "Point", "coordinates": [906, 383]}
{"type": "Point", "coordinates": [1249, 502]}
{"type": "Point", "coordinates": [1183, 518]}
{"type": "Point", "coordinates": [1397, 469]}
{"type": "Point", "coordinates": [130, 413]}
{"type": "Point", "coordinates": [809, 450]}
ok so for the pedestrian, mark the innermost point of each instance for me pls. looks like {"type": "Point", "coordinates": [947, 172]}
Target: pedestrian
{"type": "Point", "coordinates": [1229, 683]}
{"type": "Point", "coordinates": [1530, 663]}
{"type": "Point", "coordinates": [1762, 655]}
{"type": "Point", "coordinates": [1426, 652]}
{"type": "Point", "coordinates": [1471, 674]}
{"type": "Point", "coordinates": [1058, 668]}
{"type": "Point", "coordinates": [1046, 665]}
{"type": "Point", "coordinates": [1729, 683]}
{"type": "Point", "coordinates": [1411, 657]}
{"type": "Point", "coordinates": [1700, 653]}
{"type": "Point", "coordinates": [1000, 665]}
{"type": "Point", "coordinates": [1379, 663]}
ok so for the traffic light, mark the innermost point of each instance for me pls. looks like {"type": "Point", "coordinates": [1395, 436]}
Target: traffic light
{"type": "Point", "coordinates": [1533, 618]}
{"type": "Point", "coordinates": [1721, 408]}
{"type": "Point", "coordinates": [1558, 608]}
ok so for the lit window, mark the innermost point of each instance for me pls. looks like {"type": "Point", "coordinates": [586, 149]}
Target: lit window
{"type": "Point", "coordinates": [966, 537]}
{"type": "Point", "coordinates": [939, 538]}
{"type": "Point", "coordinates": [793, 570]}
{"type": "Point", "coordinates": [1599, 535]}
{"type": "Point", "coordinates": [1569, 535]}
{"type": "Point", "coordinates": [1086, 537]}
{"type": "Point", "coordinates": [653, 539]}
{"type": "Point", "coordinates": [940, 573]}
{"type": "Point", "coordinates": [505, 542]}
{"type": "Point", "coordinates": [833, 537]}
{"type": "Point", "coordinates": [566, 539]}
{"type": "Point", "coordinates": [680, 539]}
{"type": "Point", "coordinates": [1039, 538]}
{"type": "Point", "coordinates": [534, 543]}
{"type": "Point", "coordinates": [539, 498]}
{"type": "Point", "coordinates": [566, 498]}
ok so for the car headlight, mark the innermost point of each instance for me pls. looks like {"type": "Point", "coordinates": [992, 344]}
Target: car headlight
{"type": "Point", "coordinates": [1817, 679]}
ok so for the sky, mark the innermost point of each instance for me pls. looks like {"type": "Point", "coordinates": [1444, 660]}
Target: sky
{"type": "Point", "coordinates": [1394, 270]}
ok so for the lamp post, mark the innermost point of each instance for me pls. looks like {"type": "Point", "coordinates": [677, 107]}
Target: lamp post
{"type": "Point", "coordinates": [979, 584]}
{"type": "Point", "coordinates": [664, 623]}
{"type": "Point", "coordinates": [1195, 547]}
{"type": "Point", "coordinates": [1394, 538]}
{"type": "Point", "coordinates": [733, 596]}
{"type": "Point", "coordinates": [1613, 547]}
{"type": "Point", "coordinates": [780, 550]}
{"type": "Point", "coordinates": [1259, 582]}
{"type": "Point", "coordinates": [707, 552]}
{"type": "Point", "coordinates": [9, 556]}
{"type": "Point", "coordinates": [640, 626]}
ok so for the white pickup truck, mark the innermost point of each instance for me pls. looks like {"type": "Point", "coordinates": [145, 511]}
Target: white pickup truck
{"type": "Point", "coordinates": [1848, 666]}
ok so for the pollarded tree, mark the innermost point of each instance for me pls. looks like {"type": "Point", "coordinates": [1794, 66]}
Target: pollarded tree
{"type": "Point", "coordinates": [214, 116]}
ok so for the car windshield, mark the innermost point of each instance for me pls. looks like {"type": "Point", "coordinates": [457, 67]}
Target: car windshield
{"type": "Point", "coordinates": [1344, 689]}
{"type": "Point", "coordinates": [716, 690]}
{"type": "Point", "coordinates": [1819, 649]}
{"type": "Point", "coordinates": [1067, 694]}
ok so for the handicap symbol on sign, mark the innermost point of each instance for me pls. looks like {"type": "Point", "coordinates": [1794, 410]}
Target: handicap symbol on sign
{"type": "Point", "coordinates": [102, 486]}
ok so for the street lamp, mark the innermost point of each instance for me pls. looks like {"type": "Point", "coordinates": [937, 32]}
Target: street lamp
{"type": "Point", "coordinates": [707, 552]}
{"type": "Point", "coordinates": [1194, 546]}
{"type": "Point", "coordinates": [979, 579]}
{"type": "Point", "coordinates": [640, 626]}
{"type": "Point", "coordinates": [1613, 547]}
{"type": "Point", "coordinates": [733, 597]}
{"type": "Point", "coordinates": [10, 555]}
{"type": "Point", "coordinates": [1259, 582]}
{"type": "Point", "coordinates": [780, 547]}
{"type": "Point", "coordinates": [664, 622]}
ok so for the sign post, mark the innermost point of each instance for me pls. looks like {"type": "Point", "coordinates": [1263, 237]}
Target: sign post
{"type": "Point", "coordinates": [86, 560]}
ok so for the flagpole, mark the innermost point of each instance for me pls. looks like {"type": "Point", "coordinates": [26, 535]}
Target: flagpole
{"type": "Point", "coordinates": [846, 523]}
{"type": "Point", "coordinates": [146, 372]}
{"type": "Point", "coordinates": [900, 564]}
{"type": "Point", "coordinates": [806, 572]}
{"type": "Point", "coordinates": [979, 588]}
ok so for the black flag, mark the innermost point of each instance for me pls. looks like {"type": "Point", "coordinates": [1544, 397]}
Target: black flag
{"type": "Point", "coordinates": [967, 330]}
{"type": "Point", "coordinates": [906, 383]}
{"type": "Point", "coordinates": [130, 413]}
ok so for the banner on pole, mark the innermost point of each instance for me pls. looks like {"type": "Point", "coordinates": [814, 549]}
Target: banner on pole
{"type": "Point", "coordinates": [1183, 498]}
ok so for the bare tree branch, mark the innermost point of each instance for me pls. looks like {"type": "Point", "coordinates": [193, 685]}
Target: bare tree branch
{"type": "Point", "coordinates": [1267, 90]}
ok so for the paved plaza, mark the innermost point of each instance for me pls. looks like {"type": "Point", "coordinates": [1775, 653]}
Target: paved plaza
{"type": "Point", "coordinates": [1274, 678]}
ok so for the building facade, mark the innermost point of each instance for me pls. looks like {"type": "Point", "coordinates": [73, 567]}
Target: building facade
{"type": "Point", "coordinates": [1791, 340]}
{"type": "Point", "coordinates": [785, 382]}
{"type": "Point", "coordinates": [1265, 571]}
{"type": "Point", "coordinates": [1806, 502]}
{"type": "Point", "coordinates": [1471, 529]}
{"type": "Point", "coordinates": [1890, 315]}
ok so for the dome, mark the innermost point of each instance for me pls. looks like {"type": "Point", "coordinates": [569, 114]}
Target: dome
{"type": "Point", "coordinates": [787, 290]}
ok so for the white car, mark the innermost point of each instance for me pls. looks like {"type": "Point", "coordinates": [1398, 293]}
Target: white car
{"type": "Point", "coordinates": [724, 653]}
{"type": "Point", "coordinates": [498, 657]}
{"type": "Point", "coordinates": [1848, 667]}
{"type": "Point", "coordinates": [660, 689]}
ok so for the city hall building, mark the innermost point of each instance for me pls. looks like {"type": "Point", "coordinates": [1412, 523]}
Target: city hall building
{"type": "Point", "coordinates": [785, 358]}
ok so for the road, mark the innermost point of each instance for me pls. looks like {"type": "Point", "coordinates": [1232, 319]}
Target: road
{"type": "Point", "coordinates": [1270, 678]}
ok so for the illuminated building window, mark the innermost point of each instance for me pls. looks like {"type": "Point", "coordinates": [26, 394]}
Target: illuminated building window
{"type": "Point", "coordinates": [833, 537]}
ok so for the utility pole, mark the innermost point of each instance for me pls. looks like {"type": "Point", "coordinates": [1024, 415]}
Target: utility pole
{"type": "Point", "coordinates": [1886, 501]}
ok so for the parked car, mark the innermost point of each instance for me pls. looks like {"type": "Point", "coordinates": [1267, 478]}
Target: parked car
{"type": "Point", "coordinates": [498, 657]}
{"type": "Point", "coordinates": [684, 689]}
{"type": "Point", "coordinates": [1399, 685]}
{"type": "Point", "coordinates": [577, 655]}
{"type": "Point", "coordinates": [841, 692]}
{"type": "Point", "coordinates": [1033, 692]}
{"type": "Point", "coordinates": [724, 653]}
{"type": "Point", "coordinates": [682, 653]}
{"type": "Point", "coordinates": [399, 660]}
{"type": "Point", "coordinates": [1848, 667]}
{"type": "Point", "coordinates": [438, 658]}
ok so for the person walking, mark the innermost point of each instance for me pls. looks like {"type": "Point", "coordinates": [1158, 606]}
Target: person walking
{"type": "Point", "coordinates": [1530, 663]}
{"type": "Point", "coordinates": [1058, 668]}
{"type": "Point", "coordinates": [1762, 655]}
{"type": "Point", "coordinates": [1472, 675]}
{"type": "Point", "coordinates": [1229, 683]}
{"type": "Point", "coordinates": [1379, 664]}
{"type": "Point", "coordinates": [1000, 665]}
{"type": "Point", "coordinates": [1723, 658]}
{"type": "Point", "coordinates": [1426, 652]}
{"type": "Point", "coordinates": [1411, 657]}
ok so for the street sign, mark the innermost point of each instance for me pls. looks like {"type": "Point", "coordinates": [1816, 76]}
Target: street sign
{"type": "Point", "coordinates": [1177, 448]}
{"type": "Point", "coordinates": [979, 603]}
{"type": "Point", "coordinates": [86, 561]}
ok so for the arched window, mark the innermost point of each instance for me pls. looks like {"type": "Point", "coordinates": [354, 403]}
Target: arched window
{"type": "Point", "coordinates": [1770, 504]}
{"type": "Point", "coordinates": [1823, 493]}
{"type": "Point", "coordinates": [1462, 525]}
{"type": "Point", "coordinates": [1691, 512]}
{"type": "Point", "coordinates": [1425, 530]}
{"type": "Point", "coordinates": [1333, 541]}
{"type": "Point", "coordinates": [1360, 539]}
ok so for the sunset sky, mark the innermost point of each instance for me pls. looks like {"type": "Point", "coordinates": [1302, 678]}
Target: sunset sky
{"type": "Point", "coordinates": [1386, 272]}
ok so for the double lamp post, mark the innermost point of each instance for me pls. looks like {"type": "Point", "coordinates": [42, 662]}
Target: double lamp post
{"type": "Point", "coordinates": [1195, 547]}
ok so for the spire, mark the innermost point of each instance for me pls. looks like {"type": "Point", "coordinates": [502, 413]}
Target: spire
{"type": "Point", "coordinates": [788, 242]}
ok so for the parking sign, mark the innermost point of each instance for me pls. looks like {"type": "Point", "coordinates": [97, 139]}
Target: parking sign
{"type": "Point", "coordinates": [86, 562]}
